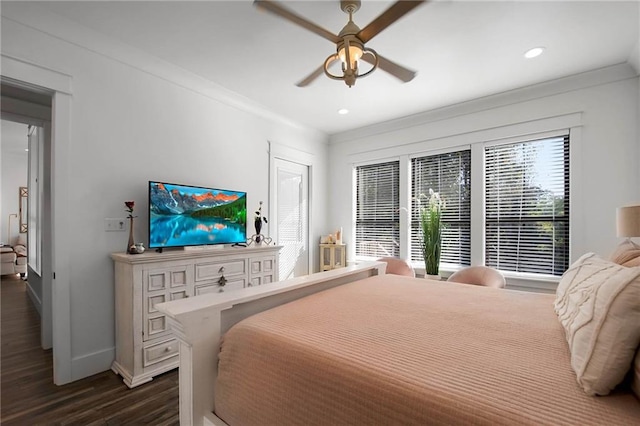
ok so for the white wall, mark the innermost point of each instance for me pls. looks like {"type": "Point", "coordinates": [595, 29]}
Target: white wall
{"type": "Point", "coordinates": [134, 118]}
{"type": "Point", "coordinates": [603, 102]}
{"type": "Point", "coordinates": [131, 124]}
{"type": "Point", "coordinates": [13, 175]}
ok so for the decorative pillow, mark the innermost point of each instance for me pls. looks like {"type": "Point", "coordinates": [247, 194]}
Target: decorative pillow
{"type": "Point", "coordinates": [626, 254]}
{"type": "Point", "coordinates": [597, 303]}
{"type": "Point", "coordinates": [21, 240]}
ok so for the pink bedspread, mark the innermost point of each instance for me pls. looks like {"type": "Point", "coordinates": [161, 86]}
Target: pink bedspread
{"type": "Point", "coordinates": [397, 350]}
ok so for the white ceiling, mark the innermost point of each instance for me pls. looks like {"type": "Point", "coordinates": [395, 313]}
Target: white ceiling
{"type": "Point", "coordinates": [462, 50]}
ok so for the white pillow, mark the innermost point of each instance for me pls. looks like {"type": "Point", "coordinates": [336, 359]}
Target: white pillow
{"type": "Point", "coordinates": [598, 304]}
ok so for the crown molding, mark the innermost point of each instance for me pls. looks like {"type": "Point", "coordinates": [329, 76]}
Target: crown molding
{"type": "Point", "coordinates": [31, 16]}
{"type": "Point", "coordinates": [571, 83]}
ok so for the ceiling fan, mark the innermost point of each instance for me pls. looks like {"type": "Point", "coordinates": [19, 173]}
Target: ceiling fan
{"type": "Point", "coordinates": [350, 42]}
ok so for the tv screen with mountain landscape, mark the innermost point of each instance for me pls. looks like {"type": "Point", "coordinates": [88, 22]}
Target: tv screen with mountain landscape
{"type": "Point", "coordinates": [182, 215]}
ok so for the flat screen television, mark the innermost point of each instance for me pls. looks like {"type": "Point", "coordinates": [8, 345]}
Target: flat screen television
{"type": "Point", "coordinates": [182, 215]}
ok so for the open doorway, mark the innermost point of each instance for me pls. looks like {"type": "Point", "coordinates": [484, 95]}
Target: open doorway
{"type": "Point", "coordinates": [13, 178]}
{"type": "Point", "coordinates": [26, 124]}
{"type": "Point", "coordinates": [25, 82]}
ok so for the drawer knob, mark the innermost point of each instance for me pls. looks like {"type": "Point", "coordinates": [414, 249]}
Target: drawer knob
{"type": "Point", "coordinates": [169, 349]}
{"type": "Point", "coordinates": [222, 281]}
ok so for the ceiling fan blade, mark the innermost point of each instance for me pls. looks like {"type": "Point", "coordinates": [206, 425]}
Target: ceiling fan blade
{"type": "Point", "coordinates": [388, 17]}
{"type": "Point", "coordinates": [278, 9]}
{"type": "Point", "coordinates": [315, 74]}
{"type": "Point", "coordinates": [398, 71]}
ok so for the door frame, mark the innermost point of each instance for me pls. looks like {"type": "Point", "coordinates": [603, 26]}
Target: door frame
{"type": "Point", "coordinates": [56, 287]}
{"type": "Point", "coordinates": [282, 152]}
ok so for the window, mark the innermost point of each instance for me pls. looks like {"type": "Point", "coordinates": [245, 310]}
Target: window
{"type": "Point", "coordinates": [377, 210]}
{"type": "Point", "coordinates": [450, 175]}
{"type": "Point", "coordinates": [527, 206]}
{"type": "Point", "coordinates": [520, 203]}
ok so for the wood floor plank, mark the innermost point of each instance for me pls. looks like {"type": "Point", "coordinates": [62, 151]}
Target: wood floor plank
{"type": "Point", "coordinates": [29, 397]}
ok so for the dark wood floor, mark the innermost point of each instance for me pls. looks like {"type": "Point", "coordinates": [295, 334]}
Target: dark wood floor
{"type": "Point", "coordinates": [29, 397]}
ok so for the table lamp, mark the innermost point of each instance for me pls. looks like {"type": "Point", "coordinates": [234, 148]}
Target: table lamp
{"type": "Point", "coordinates": [628, 222]}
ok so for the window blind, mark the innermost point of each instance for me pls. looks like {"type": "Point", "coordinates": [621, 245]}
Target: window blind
{"type": "Point", "coordinates": [527, 206]}
{"type": "Point", "coordinates": [377, 209]}
{"type": "Point", "coordinates": [450, 175]}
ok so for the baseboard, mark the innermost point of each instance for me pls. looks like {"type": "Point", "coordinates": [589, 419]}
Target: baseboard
{"type": "Point", "coordinates": [34, 299]}
{"type": "Point", "coordinates": [94, 363]}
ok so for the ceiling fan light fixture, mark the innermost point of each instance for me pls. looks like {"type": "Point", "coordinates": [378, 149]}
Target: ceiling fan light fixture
{"type": "Point", "coordinates": [350, 72]}
{"type": "Point", "coordinates": [355, 53]}
{"type": "Point", "coordinates": [350, 42]}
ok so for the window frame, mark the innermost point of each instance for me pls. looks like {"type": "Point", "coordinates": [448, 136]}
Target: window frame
{"type": "Point", "coordinates": [565, 139]}
{"type": "Point", "coordinates": [355, 203]}
{"type": "Point", "coordinates": [554, 126]}
{"type": "Point", "coordinates": [411, 224]}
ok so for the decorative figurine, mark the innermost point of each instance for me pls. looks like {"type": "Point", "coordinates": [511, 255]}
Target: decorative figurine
{"type": "Point", "coordinates": [258, 238]}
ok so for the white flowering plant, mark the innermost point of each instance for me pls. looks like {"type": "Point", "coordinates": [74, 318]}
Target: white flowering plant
{"type": "Point", "coordinates": [431, 230]}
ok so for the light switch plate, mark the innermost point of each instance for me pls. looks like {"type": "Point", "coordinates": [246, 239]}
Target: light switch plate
{"type": "Point", "coordinates": [115, 224]}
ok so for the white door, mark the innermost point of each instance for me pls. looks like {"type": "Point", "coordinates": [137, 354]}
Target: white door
{"type": "Point", "coordinates": [291, 196]}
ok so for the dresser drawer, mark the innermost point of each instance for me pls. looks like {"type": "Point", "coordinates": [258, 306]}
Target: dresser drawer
{"type": "Point", "coordinates": [163, 279]}
{"type": "Point", "coordinates": [214, 287]}
{"type": "Point", "coordinates": [159, 352]}
{"type": "Point", "coordinates": [214, 270]}
{"type": "Point", "coordinates": [263, 270]}
{"type": "Point", "coordinates": [263, 265]}
{"type": "Point", "coordinates": [259, 280]}
{"type": "Point", "coordinates": [155, 326]}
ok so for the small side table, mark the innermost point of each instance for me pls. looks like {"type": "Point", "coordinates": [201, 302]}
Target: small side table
{"type": "Point", "coordinates": [332, 256]}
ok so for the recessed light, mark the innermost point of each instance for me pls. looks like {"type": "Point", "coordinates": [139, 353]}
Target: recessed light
{"type": "Point", "coordinates": [26, 149]}
{"type": "Point", "coordinates": [533, 53]}
{"type": "Point", "coordinates": [343, 111]}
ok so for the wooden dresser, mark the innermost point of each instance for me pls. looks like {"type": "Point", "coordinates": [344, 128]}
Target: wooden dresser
{"type": "Point", "coordinates": [145, 347]}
